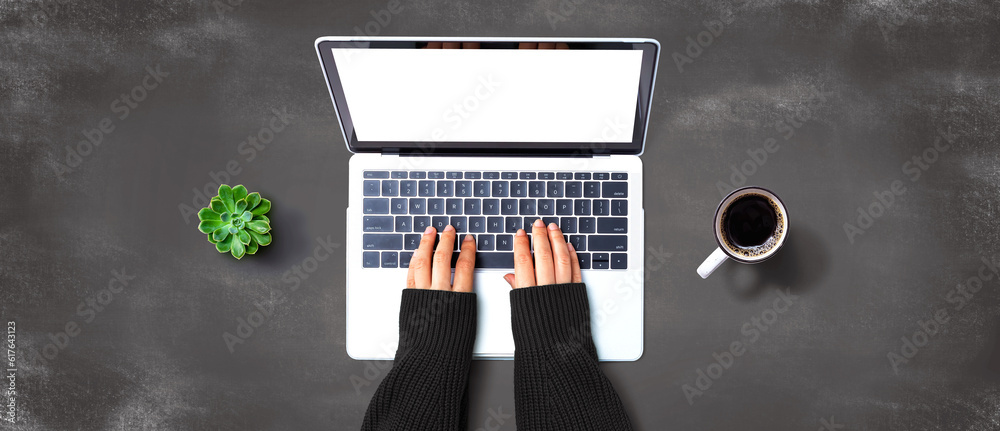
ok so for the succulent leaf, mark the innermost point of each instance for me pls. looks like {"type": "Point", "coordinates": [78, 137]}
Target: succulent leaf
{"type": "Point", "coordinates": [261, 238]}
{"type": "Point", "coordinates": [226, 195]}
{"type": "Point", "coordinates": [244, 237]}
{"type": "Point", "coordinates": [252, 200]}
{"type": "Point", "coordinates": [233, 229]}
{"type": "Point", "coordinates": [225, 217]}
{"type": "Point", "coordinates": [211, 240]}
{"type": "Point", "coordinates": [220, 234]}
{"type": "Point", "coordinates": [225, 245]}
{"type": "Point", "coordinates": [246, 216]}
{"type": "Point", "coordinates": [239, 192]}
{"type": "Point", "coordinates": [258, 226]}
{"type": "Point", "coordinates": [237, 249]}
{"type": "Point", "coordinates": [262, 218]}
{"type": "Point", "coordinates": [240, 206]}
{"type": "Point", "coordinates": [207, 214]}
{"type": "Point", "coordinates": [217, 205]}
{"type": "Point", "coordinates": [252, 247]}
{"type": "Point", "coordinates": [209, 226]}
{"type": "Point", "coordinates": [262, 208]}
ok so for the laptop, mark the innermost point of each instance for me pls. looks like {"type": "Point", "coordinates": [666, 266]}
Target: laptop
{"type": "Point", "coordinates": [489, 134]}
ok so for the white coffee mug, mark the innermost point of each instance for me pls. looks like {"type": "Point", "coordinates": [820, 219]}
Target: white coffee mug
{"type": "Point", "coordinates": [731, 248]}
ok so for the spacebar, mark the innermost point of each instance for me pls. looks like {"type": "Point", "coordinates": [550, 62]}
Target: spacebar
{"type": "Point", "coordinates": [494, 260]}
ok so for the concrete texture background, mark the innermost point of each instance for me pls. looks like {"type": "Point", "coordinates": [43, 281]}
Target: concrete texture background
{"type": "Point", "coordinates": [892, 76]}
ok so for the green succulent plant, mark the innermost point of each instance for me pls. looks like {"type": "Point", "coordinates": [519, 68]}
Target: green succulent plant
{"type": "Point", "coordinates": [235, 222]}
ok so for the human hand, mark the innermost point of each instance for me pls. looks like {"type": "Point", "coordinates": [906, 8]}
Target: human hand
{"type": "Point", "coordinates": [555, 261]}
{"type": "Point", "coordinates": [431, 269]}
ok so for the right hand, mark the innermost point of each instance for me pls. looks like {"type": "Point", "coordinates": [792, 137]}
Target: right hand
{"type": "Point", "coordinates": [555, 261]}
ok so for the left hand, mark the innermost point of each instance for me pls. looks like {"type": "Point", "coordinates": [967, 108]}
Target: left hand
{"type": "Point", "coordinates": [433, 270]}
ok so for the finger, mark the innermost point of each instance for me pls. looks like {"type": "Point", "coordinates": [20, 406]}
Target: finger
{"type": "Point", "coordinates": [547, 45]}
{"type": "Point", "coordinates": [543, 254]}
{"type": "Point", "coordinates": [452, 45]}
{"type": "Point", "coordinates": [465, 265]}
{"type": "Point", "coordinates": [524, 268]}
{"type": "Point", "coordinates": [433, 45]}
{"type": "Point", "coordinates": [419, 276]}
{"type": "Point", "coordinates": [577, 278]}
{"type": "Point", "coordinates": [441, 270]}
{"type": "Point", "coordinates": [509, 278]}
{"type": "Point", "coordinates": [527, 45]}
{"type": "Point", "coordinates": [560, 255]}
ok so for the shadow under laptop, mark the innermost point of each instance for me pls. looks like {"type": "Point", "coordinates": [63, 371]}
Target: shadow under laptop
{"type": "Point", "coordinates": [800, 265]}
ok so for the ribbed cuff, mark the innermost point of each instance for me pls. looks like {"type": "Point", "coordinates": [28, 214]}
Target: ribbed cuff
{"type": "Point", "coordinates": [543, 317]}
{"type": "Point", "coordinates": [438, 321]}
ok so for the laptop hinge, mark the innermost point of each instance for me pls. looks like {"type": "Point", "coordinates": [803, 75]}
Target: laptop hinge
{"type": "Point", "coordinates": [397, 153]}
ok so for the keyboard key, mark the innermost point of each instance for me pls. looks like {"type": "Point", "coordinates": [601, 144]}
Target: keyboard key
{"type": "Point", "coordinates": [477, 224]}
{"type": "Point", "coordinates": [612, 225]}
{"type": "Point", "coordinates": [564, 175]}
{"type": "Point", "coordinates": [408, 188]}
{"type": "Point", "coordinates": [582, 176]}
{"type": "Point", "coordinates": [486, 242]}
{"type": "Point", "coordinates": [564, 206]}
{"type": "Point", "coordinates": [619, 207]}
{"type": "Point", "coordinates": [568, 224]}
{"type": "Point", "coordinates": [473, 175]}
{"type": "Point", "coordinates": [445, 188]}
{"type": "Point", "coordinates": [382, 241]}
{"type": "Point", "coordinates": [584, 259]}
{"type": "Point", "coordinates": [404, 259]}
{"type": "Point", "coordinates": [512, 224]}
{"type": "Point", "coordinates": [601, 176]}
{"type": "Point", "coordinates": [601, 256]}
{"type": "Point", "coordinates": [435, 206]}
{"type": "Point", "coordinates": [426, 188]}
{"type": "Point", "coordinates": [574, 189]}
{"type": "Point", "coordinates": [599, 264]}
{"type": "Point", "coordinates": [453, 175]}
{"type": "Point", "coordinates": [491, 175]}
{"type": "Point", "coordinates": [473, 206]}
{"type": "Point", "coordinates": [420, 223]}
{"type": "Point", "coordinates": [546, 175]}
{"type": "Point", "coordinates": [418, 206]}
{"type": "Point", "coordinates": [371, 259]}
{"type": "Point", "coordinates": [587, 225]}
{"type": "Point", "coordinates": [527, 207]}
{"type": "Point", "coordinates": [496, 224]}
{"type": "Point", "coordinates": [404, 224]}
{"type": "Point", "coordinates": [554, 189]}
{"type": "Point", "coordinates": [614, 190]}
{"type": "Point", "coordinates": [601, 207]}
{"type": "Point", "coordinates": [411, 241]}
{"type": "Point", "coordinates": [617, 176]}
{"type": "Point", "coordinates": [619, 261]}
{"type": "Point", "coordinates": [418, 175]}
{"type": "Point", "coordinates": [494, 260]}
{"type": "Point", "coordinates": [491, 206]}
{"type": "Point", "coordinates": [439, 223]}
{"type": "Point", "coordinates": [508, 206]}
{"type": "Point", "coordinates": [398, 206]}
{"type": "Point", "coordinates": [377, 224]}
{"type": "Point", "coordinates": [376, 206]}
{"type": "Point", "coordinates": [398, 174]}
{"type": "Point", "coordinates": [500, 189]}
{"type": "Point", "coordinates": [376, 174]}
{"type": "Point", "coordinates": [536, 189]}
{"type": "Point", "coordinates": [371, 188]}
{"type": "Point", "coordinates": [505, 242]}
{"type": "Point", "coordinates": [460, 224]}
{"type": "Point", "coordinates": [463, 188]}
{"type": "Point", "coordinates": [518, 189]}
{"type": "Point", "coordinates": [509, 175]}
{"type": "Point", "coordinates": [390, 188]}
{"type": "Point", "coordinates": [608, 243]}
{"type": "Point", "coordinates": [481, 189]}
{"type": "Point", "coordinates": [546, 207]}
{"type": "Point", "coordinates": [527, 175]}
{"type": "Point", "coordinates": [579, 242]}
{"type": "Point", "coordinates": [390, 259]}
{"type": "Point", "coordinates": [453, 206]}
{"type": "Point", "coordinates": [548, 220]}
{"type": "Point", "coordinates": [592, 189]}
{"type": "Point", "coordinates": [437, 175]}
{"type": "Point", "coordinates": [581, 207]}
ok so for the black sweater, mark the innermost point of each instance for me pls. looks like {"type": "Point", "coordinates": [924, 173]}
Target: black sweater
{"type": "Point", "coordinates": [557, 383]}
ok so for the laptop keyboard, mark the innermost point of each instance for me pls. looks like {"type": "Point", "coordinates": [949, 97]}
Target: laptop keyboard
{"type": "Point", "coordinates": [589, 207]}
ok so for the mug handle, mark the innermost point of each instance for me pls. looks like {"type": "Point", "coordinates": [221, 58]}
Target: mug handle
{"type": "Point", "coordinates": [714, 260]}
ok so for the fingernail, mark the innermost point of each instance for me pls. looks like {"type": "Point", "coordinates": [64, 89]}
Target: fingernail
{"type": "Point", "coordinates": [448, 228]}
{"type": "Point", "coordinates": [428, 230]}
{"type": "Point", "coordinates": [539, 223]}
{"type": "Point", "coordinates": [520, 232]}
{"type": "Point", "coordinates": [468, 237]}
{"type": "Point", "coordinates": [552, 226]}
{"type": "Point", "coordinates": [570, 245]}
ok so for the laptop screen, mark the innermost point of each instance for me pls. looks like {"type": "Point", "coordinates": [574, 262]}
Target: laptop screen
{"type": "Point", "coordinates": [491, 96]}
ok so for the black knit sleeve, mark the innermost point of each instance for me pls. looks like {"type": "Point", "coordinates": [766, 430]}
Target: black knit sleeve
{"type": "Point", "coordinates": [427, 388]}
{"type": "Point", "coordinates": [557, 382]}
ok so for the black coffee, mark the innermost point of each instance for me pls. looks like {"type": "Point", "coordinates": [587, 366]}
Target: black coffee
{"type": "Point", "coordinates": [750, 220]}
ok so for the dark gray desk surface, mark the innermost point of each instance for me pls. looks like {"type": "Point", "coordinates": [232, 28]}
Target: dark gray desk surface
{"type": "Point", "coordinates": [892, 74]}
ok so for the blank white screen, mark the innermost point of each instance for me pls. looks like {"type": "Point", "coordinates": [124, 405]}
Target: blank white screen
{"type": "Point", "coordinates": [491, 95]}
